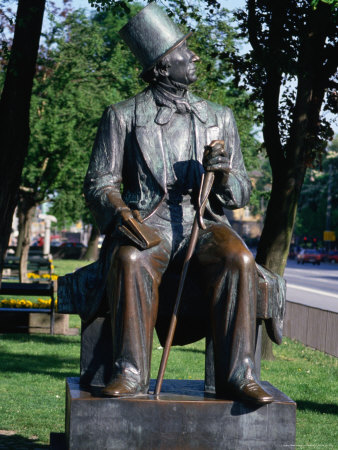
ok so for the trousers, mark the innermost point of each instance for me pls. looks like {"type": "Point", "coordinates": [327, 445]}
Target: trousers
{"type": "Point", "coordinates": [230, 280]}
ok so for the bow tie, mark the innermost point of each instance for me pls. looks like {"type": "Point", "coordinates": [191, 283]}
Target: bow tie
{"type": "Point", "coordinates": [170, 104]}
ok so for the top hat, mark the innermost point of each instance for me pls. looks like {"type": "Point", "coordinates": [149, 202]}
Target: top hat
{"type": "Point", "coordinates": [151, 34]}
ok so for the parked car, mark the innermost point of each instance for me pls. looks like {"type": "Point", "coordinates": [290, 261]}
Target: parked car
{"type": "Point", "coordinates": [308, 255]}
{"type": "Point", "coordinates": [55, 242]}
{"type": "Point", "coordinates": [323, 254]}
{"type": "Point", "coordinates": [72, 245]}
{"type": "Point", "coordinates": [333, 256]}
{"type": "Point", "coordinates": [70, 250]}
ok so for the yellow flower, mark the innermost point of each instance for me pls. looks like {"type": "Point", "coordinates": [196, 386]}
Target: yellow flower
{"type": "Point", "coordinates": [23, 303]}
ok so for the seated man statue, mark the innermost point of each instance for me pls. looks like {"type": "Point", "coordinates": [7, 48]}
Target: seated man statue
{"type": "Point", "coordinates": [142, 186]}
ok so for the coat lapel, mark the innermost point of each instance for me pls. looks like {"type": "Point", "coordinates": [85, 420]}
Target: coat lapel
{"type": "Point", "coordinates": [149, 133]}
{"type": "Point", "coordinates": [149, 136]}
{"type": "Point", "coordinates": [205, 124]}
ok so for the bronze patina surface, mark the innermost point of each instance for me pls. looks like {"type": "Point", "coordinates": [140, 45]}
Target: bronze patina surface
{"type": "Point", "coordinates": [158, 145]}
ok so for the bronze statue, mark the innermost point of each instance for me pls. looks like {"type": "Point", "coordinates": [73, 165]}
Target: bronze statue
{"type": "Point", "coordinates": [142, 186]}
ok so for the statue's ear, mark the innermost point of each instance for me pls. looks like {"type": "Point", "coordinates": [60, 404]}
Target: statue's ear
{"type": "Point", "coordinates": [161, 71]}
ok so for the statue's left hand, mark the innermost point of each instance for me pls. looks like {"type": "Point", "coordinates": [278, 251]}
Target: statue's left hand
{"type": "Point", "coordinates": [215, 158]}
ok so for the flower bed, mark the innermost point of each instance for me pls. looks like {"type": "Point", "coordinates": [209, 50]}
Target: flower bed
{"type": "Point", "coordinates": [28, 304]}
{"type": "Point", "coordinates": [45, 276]}
{"type": "Point", "coordinates": [23, 303]}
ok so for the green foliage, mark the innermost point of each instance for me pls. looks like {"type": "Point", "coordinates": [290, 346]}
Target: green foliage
{"type": "Point", "coordinates": [333, 3]}
{"type": "Point", "coordinates": [80, 75]}
{"type": "Point", "coordinates": [187, 10]}
{"type": "Point", "coordinates": [312, 208]}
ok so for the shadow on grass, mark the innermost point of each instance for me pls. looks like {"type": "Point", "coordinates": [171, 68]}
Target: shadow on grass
{"type": "Point", "coordinates": [16, 441]}
{"type": "Point", "coordinates": [323, 408]}
{"type": "Point", "coordinates": [39, 364]}
{"type": "Point", "coordinates": [38, 338]}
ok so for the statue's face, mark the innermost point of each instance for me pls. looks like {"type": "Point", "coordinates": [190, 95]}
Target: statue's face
{"type": "Point", "coordinates": [182, 67]}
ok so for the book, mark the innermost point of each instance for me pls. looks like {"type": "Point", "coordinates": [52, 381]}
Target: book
{"type": "Point", "coordinates": [140, 234]}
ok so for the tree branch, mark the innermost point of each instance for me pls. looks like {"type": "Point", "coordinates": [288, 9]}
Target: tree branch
{"type": "Point", "coordinates": [254, 28]}
{"type": "Point", "coordinates": [312, 82]}
{"type": "Point", "coordinates": [271, 89]}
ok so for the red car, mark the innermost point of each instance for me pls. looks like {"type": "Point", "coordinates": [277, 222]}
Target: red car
{"type": "Point", "coordinates": [333, 256]}
{"type": "Point", "coordinates": [309, 255]}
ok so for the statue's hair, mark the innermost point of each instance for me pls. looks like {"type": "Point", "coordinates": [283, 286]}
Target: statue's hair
{"type": "Point", "coordinates": [152, 75]}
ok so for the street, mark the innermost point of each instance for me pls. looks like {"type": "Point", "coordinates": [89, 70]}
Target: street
{"type": "Point", "coordinates": [311, 285]}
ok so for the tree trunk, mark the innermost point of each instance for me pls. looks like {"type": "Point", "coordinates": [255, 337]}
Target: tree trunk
{"type": "Point", "coordinates": [21, 218]}
{"type": "Point", "coordinates": [92, 252]}
{"type": "Point", "coordinates": [14, 110]}
{"type": "Point", "coordinates": [27, 218]}
{"type": "Point", "coordinates": [273, 247]}
{"type": "Point", "coordinates": [289, 160]}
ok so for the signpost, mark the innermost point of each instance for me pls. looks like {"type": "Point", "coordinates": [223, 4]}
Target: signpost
{"type": "Point", "coordinates": [329, 236]}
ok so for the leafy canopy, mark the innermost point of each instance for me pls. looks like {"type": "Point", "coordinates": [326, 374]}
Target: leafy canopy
{"type": "Point", "coordinates": [85, 67]}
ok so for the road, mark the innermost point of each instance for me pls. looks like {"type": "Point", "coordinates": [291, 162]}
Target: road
{"type": "Point", "coordinates": [311, 285]}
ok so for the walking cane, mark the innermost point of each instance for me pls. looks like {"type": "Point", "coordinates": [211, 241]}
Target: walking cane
{"type": "Point", "coordinates": [205, 188]}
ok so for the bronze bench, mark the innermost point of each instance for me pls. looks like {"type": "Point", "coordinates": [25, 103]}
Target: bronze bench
{"type": "Point", "coordinates": [96, 336]}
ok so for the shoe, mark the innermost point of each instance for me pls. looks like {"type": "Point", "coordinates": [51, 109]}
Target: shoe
{"type": "Point", "coordinates": [121, 386]}
{"type": "Point", "coordinates": [251, 391]}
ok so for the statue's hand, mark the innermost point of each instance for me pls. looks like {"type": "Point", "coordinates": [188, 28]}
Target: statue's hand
{"type": "Point", "coordinates": [215, 158]}
{"type": "Point", "coordinates": [139, 233]}
{"type": "Point", "coordinates": [125, 215]}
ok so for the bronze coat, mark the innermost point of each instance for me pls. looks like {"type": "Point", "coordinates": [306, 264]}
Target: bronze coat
{"type": "Point", "coordinates": [128, 150]}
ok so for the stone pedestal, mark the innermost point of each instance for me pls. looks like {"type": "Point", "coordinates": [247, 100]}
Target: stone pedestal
{"type": "Point", "coordinates": [184, 417]}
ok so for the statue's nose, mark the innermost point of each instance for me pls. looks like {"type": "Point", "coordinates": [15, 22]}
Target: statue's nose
{"type": "Point", "coordinates": [194, 57]}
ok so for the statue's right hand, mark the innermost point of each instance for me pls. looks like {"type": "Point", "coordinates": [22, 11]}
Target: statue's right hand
{"type": "Point", "coordinates": [139, 233]}
{"type": "Point", "coordinates": [126, 215]}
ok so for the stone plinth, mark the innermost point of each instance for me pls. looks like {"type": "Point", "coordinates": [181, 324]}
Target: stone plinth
{"type": "Point", "coordinates": [184, 417]}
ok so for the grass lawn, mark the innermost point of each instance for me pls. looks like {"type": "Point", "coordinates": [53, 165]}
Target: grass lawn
{"type": "Point", "coordinates": [63, 266]}
{"type": "Point", "coordinates": [34, 367]}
